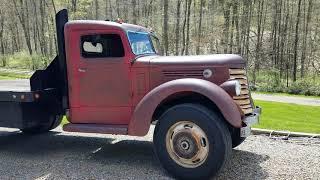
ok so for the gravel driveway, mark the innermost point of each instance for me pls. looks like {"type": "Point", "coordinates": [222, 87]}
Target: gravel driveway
{"type": "Point", "coordinates": [61, 155]}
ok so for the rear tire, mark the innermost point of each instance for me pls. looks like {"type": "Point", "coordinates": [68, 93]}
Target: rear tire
{"type": "Point", "coordinates": [192, 142]}
{"type": "Point", "coordinates": [53, 122]}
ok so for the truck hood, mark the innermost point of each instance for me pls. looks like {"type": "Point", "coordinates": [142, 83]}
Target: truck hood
{"type": "Point", "coordinates": [229, 60]}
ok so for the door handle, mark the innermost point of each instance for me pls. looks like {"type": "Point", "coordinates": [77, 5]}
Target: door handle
{"type": "Point", "coordinates": [82, 70]}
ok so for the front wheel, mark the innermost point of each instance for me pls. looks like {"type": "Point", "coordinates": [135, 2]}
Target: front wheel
{"type": "Point", "coordinates": [192, 142]}
{"type": "Point", "coordinates": [236, 138]}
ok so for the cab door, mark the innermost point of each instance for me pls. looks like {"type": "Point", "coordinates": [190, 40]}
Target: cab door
{"type": "Point", "coordinates": [102, 92]}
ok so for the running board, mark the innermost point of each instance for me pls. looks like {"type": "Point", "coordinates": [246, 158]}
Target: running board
{"type": "Point", "coordinates": [96, 128]}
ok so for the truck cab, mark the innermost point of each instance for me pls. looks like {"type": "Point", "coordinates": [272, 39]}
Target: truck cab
{"type": "Point", "coordinates": [111, 66]}
{"type": "Point", "coordinates": [109, 77]}
{"type": "Point", "coordinates": [99, 72]}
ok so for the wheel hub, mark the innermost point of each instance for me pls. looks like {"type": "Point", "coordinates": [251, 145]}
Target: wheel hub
{"type": "Point", "coordinates": [187, 144]}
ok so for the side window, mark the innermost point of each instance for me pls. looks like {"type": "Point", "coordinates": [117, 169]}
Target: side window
{"type": "Point", "coordinates": [101, 45]}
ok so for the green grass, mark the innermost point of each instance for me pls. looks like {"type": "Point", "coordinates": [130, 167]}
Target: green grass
{"type": "Point", "coordinates": [22, 60]}
{"type": "Point", "coordinates": [64, 121]}
{"type": "Point", "coordinates": [286, 94]}
{"type": "Point", "coordinates": [10, 75]}
{"type": "Point", "coordinates": [289, 117]}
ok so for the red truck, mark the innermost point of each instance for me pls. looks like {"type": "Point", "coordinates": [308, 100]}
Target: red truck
{"type": "Point", "coordinates": [108, 77]}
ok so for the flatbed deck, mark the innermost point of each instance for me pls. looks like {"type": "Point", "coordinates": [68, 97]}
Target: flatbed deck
{"type": "Point", "coordinates": [16, 91]}
{"type": "Point", "coordinates": [22, 108]}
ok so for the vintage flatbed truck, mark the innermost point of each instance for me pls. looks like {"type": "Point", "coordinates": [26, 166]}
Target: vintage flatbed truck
{"type": "Point", "coordinates": [108, 78]}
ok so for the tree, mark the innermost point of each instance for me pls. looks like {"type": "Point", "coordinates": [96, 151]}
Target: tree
{"type": "Point", "coordinates": [259, 37]}
{"type": "Point", "coordinates": [74, 4]}
{"type": "Point", "coordinates": [177, 31]}
{"type": "Point", "coordinates": [277, 37]}
{"type": "Point", "coordinates": [21, 8]}
{"type": "Point", "coordinates": [200, 26]}
{"type": "Point", "coordinates": [305, 37]}
{"type": "Point", "coordinates": [226, 11]}
{"type": "Point", "coordinates": [189, 3]}
{"type": "Point", "coordinates": [165, 26]}
{"type": "Point", "coordinates": [96, 2]}
{"type": "Point", "coordinates": [1, 38]}
{"type": "Point", "coordinates": [134, 13]}
{"type": "Point", "coordinates": [296, 41]}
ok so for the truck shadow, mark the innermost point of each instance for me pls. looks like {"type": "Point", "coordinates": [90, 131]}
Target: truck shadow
{"type": "Point", "coordinates": [244, 165]}
{"type": "Point", "coordinates": [63, 156]}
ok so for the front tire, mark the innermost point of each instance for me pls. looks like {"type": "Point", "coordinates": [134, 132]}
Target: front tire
{"type": "Point", "coordinates": [192, 142]}
{"type": "Point", "coordinates": [236, 138]}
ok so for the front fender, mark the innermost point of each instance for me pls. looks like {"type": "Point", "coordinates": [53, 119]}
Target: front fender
{"type": "Point", "coordinates": [142, 115]}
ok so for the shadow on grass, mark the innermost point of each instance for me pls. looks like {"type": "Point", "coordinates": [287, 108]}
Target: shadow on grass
{"type": "Point", "coordinates": [61, 156]}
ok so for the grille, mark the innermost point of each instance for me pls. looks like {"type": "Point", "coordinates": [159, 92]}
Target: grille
{"type": "Point", "coordinates": [244, 100]}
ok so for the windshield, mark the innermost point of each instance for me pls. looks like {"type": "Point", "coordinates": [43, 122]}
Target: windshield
{"type": "Point", "coordinates": [142, 43]}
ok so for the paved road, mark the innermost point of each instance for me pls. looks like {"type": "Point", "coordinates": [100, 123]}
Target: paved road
{"type": "Point", "coordinates": [287, 99]}
{"type": "Point", "coordinates": [61, 155]}
{"type": "Point", "coordinates": [14, 85]}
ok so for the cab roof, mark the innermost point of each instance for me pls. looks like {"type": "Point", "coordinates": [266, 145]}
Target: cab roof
{"type": "Point", "coordinates": [95, 24]}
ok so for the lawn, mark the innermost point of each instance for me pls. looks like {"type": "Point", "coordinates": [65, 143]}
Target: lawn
{"type": "Point", "coordinates": [289, 117]}
{"type": "Point", "coordinates": [64, 121]}
{"type": "Point", "coordinates": [10, 75]}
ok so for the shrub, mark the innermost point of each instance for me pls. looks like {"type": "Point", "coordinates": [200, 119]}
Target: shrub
{"type": "Point", "coordinates": [270, 81]}
{"type": "Point", "coordinates": [22, 60]}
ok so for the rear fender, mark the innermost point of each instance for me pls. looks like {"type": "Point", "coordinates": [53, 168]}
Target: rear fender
{"type": "Point", "coordinates": [142, 115]}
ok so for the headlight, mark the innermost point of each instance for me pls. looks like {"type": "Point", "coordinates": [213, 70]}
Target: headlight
{"type": "Point", "coordinates": [237, 87]}
{"type": "Point", "coordinates": [232, 87]}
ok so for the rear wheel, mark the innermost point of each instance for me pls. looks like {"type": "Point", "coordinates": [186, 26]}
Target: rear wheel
{"type": "Point", "coordinates": [53, 122]}
{"type": "Point", "coordinates": [192, 142]}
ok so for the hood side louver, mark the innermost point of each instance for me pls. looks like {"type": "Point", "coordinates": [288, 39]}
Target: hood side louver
{"type": "Point", "coordinates": [185, 73]}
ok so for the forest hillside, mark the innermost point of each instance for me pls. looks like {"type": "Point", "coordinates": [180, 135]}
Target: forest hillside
{"type": "Point", "coordinates": [280, 39]}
